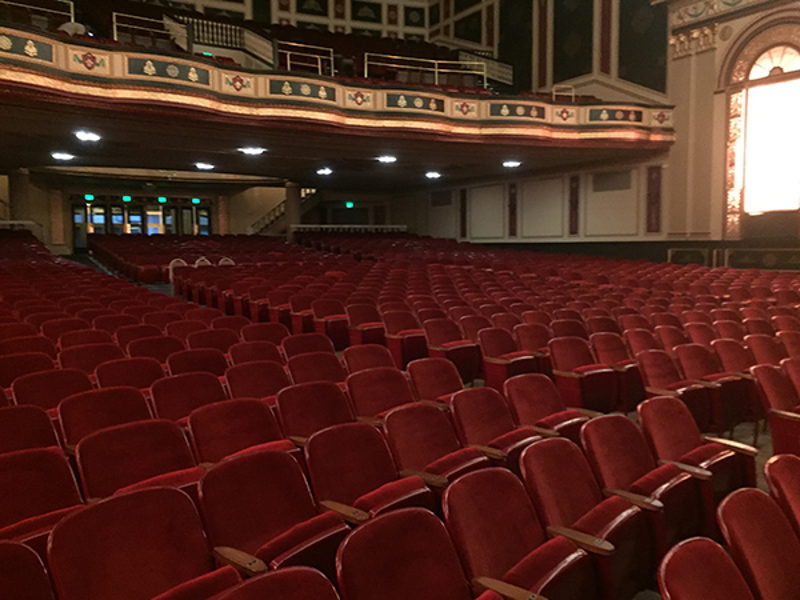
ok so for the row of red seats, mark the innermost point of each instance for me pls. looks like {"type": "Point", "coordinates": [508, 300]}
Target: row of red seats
{"type": "Point", "coordinates": [762, 534]}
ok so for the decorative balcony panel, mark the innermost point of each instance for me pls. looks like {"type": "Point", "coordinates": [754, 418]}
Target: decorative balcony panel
{"type": "Point", "coordinates": [96, 73]}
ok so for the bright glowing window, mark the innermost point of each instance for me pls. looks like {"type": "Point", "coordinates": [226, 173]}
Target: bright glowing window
{"type": "Point", "coordinates": [780, 59]}
{"type": "Point", "coordinates": [772, 128]}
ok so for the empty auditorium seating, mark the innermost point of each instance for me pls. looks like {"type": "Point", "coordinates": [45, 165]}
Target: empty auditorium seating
{"type": "Point", "coordinates": [243, 352]}
{"type": "Point", "coordinates": [782, 473]}
{"type": "Point", "coordinates": [780, 400]}
{"type": "Point", "coordinates": [305, 408]}
{"type": "Point", "coordinates": [367, 356]}
{"type": "Point", "coordinates": [157, 347]}
{"type": "Point", "coordinates": [257, 379]}
{"type": "Point", "coordinates": [22, 573]}
{"type": "Point", "coordinates": [581, 380]}
{"type": "Point", "coordinates": [260, 503]}
{"type": "Point", "coordinates": [208, 360]}
{"type": "Point", "coordinates": [86, 358]}
{"type": "Point", "coordinates": [501, 357]}
{"type": "Point", "coordinates": [46, 389]}
{"type": "Point", "coordinates": [139, 372]}
{"type": "Point", "coordinates": [316, 366]}
{"type": "Point", "coordinates": [351, 464]}
{"type": "Point", "coordinates": [762, 542]}
{"type": "Point", "coordinates": [511, 545]}
{"type": "Point", "coordinates": [136, 455]}
{"type": "Point", "coordinates": [701, 568]}
{"type": "Point", "coordinates": [158, 550]}
{"type": "Point", "coordinates": [176, 396]}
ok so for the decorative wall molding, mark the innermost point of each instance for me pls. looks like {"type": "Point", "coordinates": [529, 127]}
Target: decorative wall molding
{"type": "Point", "coordinates": [97, 74]}
{"type": "Point", "coordinates": [684, 13]}
{"type": "Point", "coordinates": [694, 41]}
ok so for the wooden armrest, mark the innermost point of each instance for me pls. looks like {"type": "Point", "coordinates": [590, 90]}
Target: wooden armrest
{"type": "Point", "coordinates": [617, 368]}
{"type": "Point", "coordinates": [644, 502]}
{"type": "Point", "coordinates": [393, 336]}
{"type": "Point", "coordinates": [351, 514]}
{"type": "Point", "coordinates": [431, 479]}
{"type": "Point", "coordinates": [707, 384]}
{"type": "Point", "coordinates": [495, 361]}
{"type": "Point", "coordinates": [588, 542]}
{"type": "Point", "coordinates": [436, 404]}
{"type": "Point", "coordinates": [375, 422]}
{"type": "Point", "coordinates": [738, 447]}
{"type": "Point", "coordinates": [206, 465]}
{"type": "Point", "coordinates": [506, 590]}
{"type": "Point", "coordinates": [494, 453]}
{"type": "Point", "coordinates": [69, 449]}
{"type": "Point", "coordinates": [586, 412]}
{"type": "Point", "coordinates": [784, 414]}
{"type": "Point", "coordinates": [569, 374]}
{"type": "Point", "coordinates": [745, 376]}
{"type": "Point", "coordinates": [544, 431]}
{"type": "Point", "coordinates": [297, 440]}
{"type": "Point", "coordinates": [661, 391]}
{"type": "Point", "coordinates": [696, 472]}
{"type": "Point", "coordinates": [247, 564]}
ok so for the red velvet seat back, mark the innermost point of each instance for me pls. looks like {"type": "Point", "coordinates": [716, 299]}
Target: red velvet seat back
{"type": "Point", "coordinates": [400, 555]}
{"type": "Point", "coordinates": [35, 482]}
{"type": "Point", "coordinates": [782, 473]}
{"type": "Point", "coordinates": [208, 360]}
{"type": "Point", "coordinates": [130, 547]}
{"type": "Point", "coordinates": [22, 574]}
{"type": "Point", "coordinates": [491, 540]}
{"type": "Point", "coordinates": [126, 334]}
{"type": "Point", "coordinates": [157, 347]}
{"type": "Point", "coordinates": [775, 387]}
{"type": "Point", "coordinates": [700, 568]}
{"type": "Point", "coordinates": [176, 396]}
{"type": "Point", "coordinates": [373, 391]}
{"type": "Point", "coordinates": [302, 343]}
{"type": "Point", "coordinates": [367, 356]}
{"type": "Point", "coordinates": [568, 328]}
{"type": "Point", "coordinates": [767, 349]}
{"type": "Point", "coordinates": [316, 366]}
{"type": "Point", "coordinates": [125, 454]}
{"type": "Point", "coordinates": [668, 427]}
{"type": "Point", "coordinates": [86, 412]}
{"type": "Point", "coordinates": [433, 378]}
{"type": "Point", "coordinates": [24, 427]}
{"type": "Point", "coordinates": [616, 450]}
{"type": "Point", "coordinates": [140, 372]}
{"type": "Point", "coordinates": [657, 368]}
{"type": "Point", "coordinates": [697, 361]}
{"type": "Point", "coordinates": [306, 408]}
{"type": "Point", "coordinates": [609, 348]}
{"type": "Point", "coordinates": [471, 324]}
{"type": "Point", "coordinates": [480, 415]}
{"type": "Point", "coordinates": [256, 379]}
{"type": "Point", "coordinates": [233, 323]}
{"type": "Point", "coordinates": [182, 329]}
{"type": "Point", "coordinates": [762, 542]}
{"type": "Point", "coordinates": [219, 339]}
{"type": "Point", "coordinates": [253, 498]}
{"type": "Point", "coordinates": [47, 388]}
{"type": "Point", "coordinates": [442, 330]}
{"type": "Point", "coordinates": [256, 350]}
{"type": "Point", "coordinates": [398, 320]}
{"type": "Point", "coordinates": [17, 365]}
{"type": "Point", "coordinates": [532, 397]}
{"type": "Point", "coordinates": [270, 332]}
{"type": "Point", "coordinates": [734, 355]}
{"type": "Point", "coordinates": [86, 358]}
{"type": "Point", "coordinates": [222, 428]}
{"type": "Point", "coordinates": [569, 353]}
{"type": "Point", "coordinates": [419, 434]}
{"type": "Point", "coordinates": [635, 322]}
{"type": "Point", "coordinates": [347, 461]}
{"type": "Point", "coordinates": [204, 314]}
{"type": "Point", "coordinates": [53, 329]}
{"type": "Point", "coordinates": [13, 330]}
{"type": "Point", "coordinates": [495, 342]}
{"type": "Point", "coordinates": [533, 336]}
{"type": "Point", "coordinates": [362, 313]}
{"type": "Point", "coordinates": [111, 323]}
{"type": "Point", "coordinates": [560, 500]}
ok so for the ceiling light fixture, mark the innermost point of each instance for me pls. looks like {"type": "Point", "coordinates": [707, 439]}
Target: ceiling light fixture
{"type": "Point", "coordinates": [433, 174]}
{"type": "Point", "coordinates": [62, 156]}
{"type": "Point", "coordinates": [252, 150]}
{"type": "Point", "coordinates": [511, 164]}
{"type": "Point", "coordinates": [204, 166]}
{"type": "Point", "coordinates": [387, 159]}
{"type": "Point", "coordinates": [325, 171]}
{"type": "Point", "coordinates": [87, 136]}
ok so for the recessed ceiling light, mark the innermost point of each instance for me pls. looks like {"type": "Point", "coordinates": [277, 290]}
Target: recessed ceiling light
{"type": "Point", "coordinates": [204, 166]}
{"type": "Point", "coordinates": [387, 159]}
{"type": "Point", "coordinates": [87, 136]}
{"type": "Point", "coordinates": [325, 171]}
{"type": "Point", "coordinates": [62, 156]}
{"type": "Point", "coordinates": [433, 174]}
{"type": "Point", "coordinates": [252, 150]}
{"type": "Point", "coordinates": [511, 164]}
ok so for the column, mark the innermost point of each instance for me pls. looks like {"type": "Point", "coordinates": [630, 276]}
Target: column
{"type": "Point", "coordinates": [293, 210]}
{"type": "Point", "coordinates": [19, 183]}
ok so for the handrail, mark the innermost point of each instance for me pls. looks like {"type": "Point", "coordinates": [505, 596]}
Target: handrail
{"type": "Point", "coordinates": [325, 55]}
{"type": "Point", "coordinates": [227, 35]}
{"type": "Point", "coordinates": [427, 65]}
{"type": "Point", "coordinates": [277, 211]}
{"type": "Point", "coordinates": [116, 18]}
{"type": "Point", "coordinates": [563, 90]}
{"type": "Point", "coordinates": [70, 12]}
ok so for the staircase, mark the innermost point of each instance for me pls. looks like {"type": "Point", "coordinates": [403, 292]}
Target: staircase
{"type": "Point", "coordinates": [275, 222]}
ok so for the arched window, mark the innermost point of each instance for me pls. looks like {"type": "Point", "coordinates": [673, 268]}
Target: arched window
{"type": "Point", "coordinates": [771, 134]}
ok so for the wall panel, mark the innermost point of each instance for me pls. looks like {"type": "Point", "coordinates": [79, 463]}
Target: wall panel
{"type": "Point", "coordinates": [542, 208]}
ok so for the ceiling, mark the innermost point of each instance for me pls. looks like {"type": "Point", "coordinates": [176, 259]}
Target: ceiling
{"type": "Point", "coordinates": [155, 148]}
